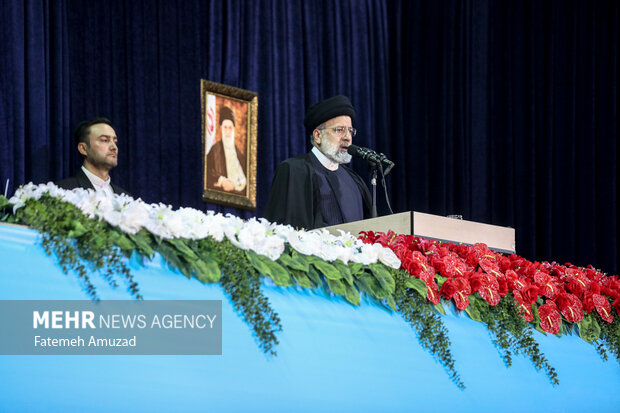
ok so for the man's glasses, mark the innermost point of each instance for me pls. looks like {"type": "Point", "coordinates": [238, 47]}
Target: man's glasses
{"type": "Point", "coordinates": [340, 131]}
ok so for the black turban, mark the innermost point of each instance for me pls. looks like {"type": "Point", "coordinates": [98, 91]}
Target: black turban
{"type": "Point", "coordinates": [227, 113]}
{"type": "Point", "coordinates": [329, 108]}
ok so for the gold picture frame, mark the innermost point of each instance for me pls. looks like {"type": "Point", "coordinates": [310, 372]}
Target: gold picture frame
{"type": "Point", "coordinates": [229, 130]}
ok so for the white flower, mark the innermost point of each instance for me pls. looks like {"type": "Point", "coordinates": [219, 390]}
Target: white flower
{"type": "Point", "coordinates": [255, 235]}
{"type": "Point", "coordinates": [272, 247]}
{"type": "Point", "coordinates": [251, 235]}
{"type": "Point", "coordinates": [215, 224]}
{"type": "Point", "coordinates": [258, 235]}
{"type": "Point", "coordinates": [156, 224]}
{"type": "Point", "coordinates": [193, 223]}
{"type": "Point", "coordinates": [134, 216]}
{"type": "Point", "coordinates": [307, 243]}
{"type": "Point", "coordinates": [388, 258]}
{"type": "Point", "coordinates": [232, 228]}
{"type": "Point", "coordinates": [367, 255]}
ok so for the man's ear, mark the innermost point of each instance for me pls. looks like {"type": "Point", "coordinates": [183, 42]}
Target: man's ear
{"type": "Point", "coordinates": [82, 148]}
{"type": "Point", "coordinates": [317, 137]}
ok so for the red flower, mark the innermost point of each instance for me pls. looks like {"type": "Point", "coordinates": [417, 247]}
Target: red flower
{"type": "Point", "coordinates": [588, 302]}
{"type": "Point", "coordinates": [524, 308]}
{"type": "Point", "coordinates": [432, 294]}
{"type": "Point", "coordinates": [576, 282]}
{"type": "Point", "coordinates": [602, 307]}
{"type": "Point", "coordinates": [448, 289]}
{"type": "Point", "coordinates": [490, 266]}
{"type": "Point", "coordinates": [428, 246]}
{"type": "Point", "coordinates": [471, 259]}
{"type": "Point", "coordinates": [550, 319]}
{"type": "Point", "coordinates": [457, 289]}
{"type": "Point", "coordinates": [450, 266]}
{"type": "Point", "coordinates": [530, 293]}
{"type": "Point", "coordinates": [503, 286]}
{"type": "Point", "coordinates": [505, 264]}
{"type": "Point", "coordinates": [487, 286]}
{"type": "Point", "coordinates": [515, 281]}
{"type": "Point", "coordinates": [570, 307]}
{"type": "Point", "coordinates": [548, 285]}
{"type": "Point", "coordinates": [613, 294]}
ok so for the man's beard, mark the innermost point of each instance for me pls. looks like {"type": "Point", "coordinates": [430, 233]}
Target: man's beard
{"type": "Point", "coordinates": [228, 143]}
{"type": "Point", "coordinates": [333, 152]}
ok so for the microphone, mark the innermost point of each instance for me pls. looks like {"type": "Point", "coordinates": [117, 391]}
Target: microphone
{"type": "Point", "coordinates": [371, 157]}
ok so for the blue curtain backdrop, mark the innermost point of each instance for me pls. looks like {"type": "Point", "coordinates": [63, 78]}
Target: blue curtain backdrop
{"type": "Point", "coordinates": [504, 112]}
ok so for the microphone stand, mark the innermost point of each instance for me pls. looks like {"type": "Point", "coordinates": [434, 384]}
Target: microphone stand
{"type": "Point", "coordinates": [373, 182]}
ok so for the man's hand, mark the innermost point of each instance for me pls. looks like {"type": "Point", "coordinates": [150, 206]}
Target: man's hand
{"type": "Point", "coordinates": [225, 183]}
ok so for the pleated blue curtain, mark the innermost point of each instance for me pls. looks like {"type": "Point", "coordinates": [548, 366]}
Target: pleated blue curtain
{"type": "Point", "coordinates": [504, 112]}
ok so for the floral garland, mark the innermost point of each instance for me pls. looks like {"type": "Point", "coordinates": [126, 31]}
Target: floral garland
{"type": "Point", "coordinates": [84, 226]}
{"type": "Point", "coordinates": [556, 299]}
{"type": "Point", "coordinates": [408, 274]}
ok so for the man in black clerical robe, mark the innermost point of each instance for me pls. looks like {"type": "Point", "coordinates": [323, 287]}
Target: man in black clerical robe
{"type": "Point", "coordinates": [316, 189]}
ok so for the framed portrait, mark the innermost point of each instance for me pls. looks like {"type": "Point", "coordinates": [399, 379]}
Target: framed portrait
{"type": "Point", "coordinates": [229, 123]}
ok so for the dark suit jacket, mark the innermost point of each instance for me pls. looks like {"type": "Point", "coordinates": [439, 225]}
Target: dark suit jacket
{"type": "Point", "coordinates": [80, 180]}
{"type": "Point", "coordinates": [295, 197]}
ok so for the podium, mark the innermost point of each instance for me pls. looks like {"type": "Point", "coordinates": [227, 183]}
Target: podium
{"type": "Point", "coordinates": [500, 239]}
{"type": "Point", "coordinates": [332, 356]}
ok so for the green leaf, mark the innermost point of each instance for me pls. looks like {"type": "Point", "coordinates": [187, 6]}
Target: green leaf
{"type": "Point", "coordinates": [355, 268]}
{"type": "Point", "coordinates": [416, 284]}
{"type": "Point", "coordinates": [390, 301]}
{"type": "Point", "coordinates": [536, 319]}
{"type": "Point", "coordinates": [301, 259]}
{"type": "Point", "coordinates": [258, 264]}
{"type": "Point", "coordinates": [171, 255]}
{"type": "Point", "coordinates": [294, 263]}
{"type": "Point", "coordinates": [182, 247]}
{"type": "Point", "coordinates": [370, 285]}
{"type": "Point", "coordinates": [473, 309]}
{"type": "Point", "coordinates": [77, 230]}
{"type": "Point", "coordinates": [384, 277]}
{"type": "Point", "coordinates": [269, 268]}
{"type": "Point", "coordinates": [123, 242]}
{"type": "Point", "coordinates": [207, 271]}
{"type": "Point", "coordinates": [351, 294]}
{"type": "Point", "coordinates": [98, 240]}
{"type": "Point", "coordinates": [302, 279]}
{"type": "Point", "coordinates": [344, 271]}
{"type": "Point", "coordinates": [440, 280]}
{"type": "Point", "coordinates": [142, 241]}
{"type": "Point", "coordinates": [439, 308]}
{"type": "Point", "coordinates": [337, 286]}
{"type": "Point", "coordinates": [3, 201]}
{"type": "Point", "coordinates": [279, 274]}
{"type": "Point", "coordinates": [589, 329]}
{"type": "Point", "coordinates": [314, 275]}
{"type": "Point", "coordinates": [329, 271]}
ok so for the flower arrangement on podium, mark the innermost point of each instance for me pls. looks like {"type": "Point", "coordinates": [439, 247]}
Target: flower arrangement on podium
{"type": "Point", "coordinates": [88, 231]}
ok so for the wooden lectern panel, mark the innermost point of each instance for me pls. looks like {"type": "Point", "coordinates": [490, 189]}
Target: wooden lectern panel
{"type": "Point", "coordinates": [436, 227]}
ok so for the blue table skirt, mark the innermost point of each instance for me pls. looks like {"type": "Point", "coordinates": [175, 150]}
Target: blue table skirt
{"type": "Point", "coordinates": [332, 357]}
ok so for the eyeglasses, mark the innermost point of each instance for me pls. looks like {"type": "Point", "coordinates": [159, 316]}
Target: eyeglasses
{"type": "Point", "coordinates": [340, 131]}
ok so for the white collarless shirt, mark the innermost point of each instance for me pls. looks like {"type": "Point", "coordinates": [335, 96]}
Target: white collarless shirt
{"type": "Point", "coordinates": [325, 161]}
{"type": "Point", "coordinates": [99, 184]}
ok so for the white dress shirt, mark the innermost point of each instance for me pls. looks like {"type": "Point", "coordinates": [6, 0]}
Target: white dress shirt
{"type": "Point", "coordinates": [98, 183]}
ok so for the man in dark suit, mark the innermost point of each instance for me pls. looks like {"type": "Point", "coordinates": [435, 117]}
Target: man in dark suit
{"type": "Point", "coordinates": [96, 141]}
